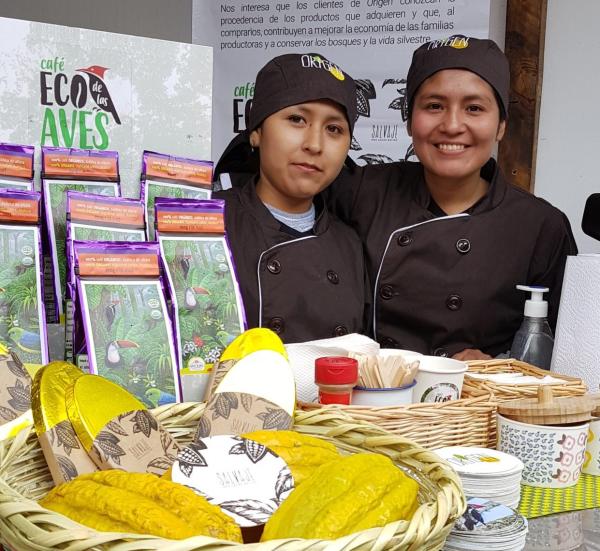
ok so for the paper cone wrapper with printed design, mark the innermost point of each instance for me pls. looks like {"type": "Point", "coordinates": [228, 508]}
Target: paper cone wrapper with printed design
{"type": "Point", "coordinates": [15, 394]}
{"type": "Point", "coordinates": [15, 387]}
{"type": "Point", "coordinates": [240, 413]}
{"type": "Point", "coordinates": [252, 340]}
{"type": "Point", "coordinates": [64, 452]}
{"type": "Point", "coordinates": [246, 479]}
{"type": "Point", "coordinates": [266, 374]}
{"type": "Point", "coordinates": [116, 429]}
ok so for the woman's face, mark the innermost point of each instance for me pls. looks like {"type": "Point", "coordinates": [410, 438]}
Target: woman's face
{"type": "Point", "coordinates": [302, 150]}
{"type": "Point", "coordinates": [455, 124]}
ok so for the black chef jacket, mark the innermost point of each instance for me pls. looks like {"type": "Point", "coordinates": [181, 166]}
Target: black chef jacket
{"type": "Point", "coordinates": [445, 283]}
{"type": "Point", "coordinates": [302, 286]}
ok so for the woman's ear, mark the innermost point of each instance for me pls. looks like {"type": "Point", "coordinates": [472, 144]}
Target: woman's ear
{"type": "Point", "coordinates": [501, 130]}
{"type": "Point", "coordinates": [255, 138]}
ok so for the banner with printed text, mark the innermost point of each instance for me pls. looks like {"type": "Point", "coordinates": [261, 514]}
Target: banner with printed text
{"type": "Point", "coordinates": [372, 40]}
{"type": "Point", "coordinates": [69, 87]}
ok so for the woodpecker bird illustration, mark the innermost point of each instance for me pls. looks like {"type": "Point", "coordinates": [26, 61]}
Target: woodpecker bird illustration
{"type": "Point", "coordinates": [110, 312]}
{"type": "Point", "coordinates": [99, 91]}
{"type": "Point", "coordinates": [185, 262]}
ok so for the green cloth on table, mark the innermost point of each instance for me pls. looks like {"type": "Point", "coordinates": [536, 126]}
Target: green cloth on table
{"type": "Point", "coordinates": [537, 502]}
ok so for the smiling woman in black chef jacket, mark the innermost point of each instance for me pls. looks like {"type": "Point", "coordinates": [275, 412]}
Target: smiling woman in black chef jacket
{"type": "Point", "coordinates": [448, 238]}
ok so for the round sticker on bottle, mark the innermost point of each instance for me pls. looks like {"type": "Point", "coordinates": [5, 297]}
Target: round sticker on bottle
{"type": "Point", "coordinates": [441, 392]}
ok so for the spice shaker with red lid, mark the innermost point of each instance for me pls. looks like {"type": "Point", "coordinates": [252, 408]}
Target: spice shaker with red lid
{"type": "Point", "coordinates": [336, 376]}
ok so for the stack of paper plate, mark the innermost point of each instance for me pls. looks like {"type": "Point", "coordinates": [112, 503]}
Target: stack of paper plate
{"type": "Point", "coordinates": [486, 473]}
{"type": "Point", "coordinates": [489, 526]}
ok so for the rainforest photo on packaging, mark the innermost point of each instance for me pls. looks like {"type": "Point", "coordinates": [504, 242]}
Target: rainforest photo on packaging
{"type": "Point", "coordinates": [209, 314]}
{"type": "Point", "coordinates": [56, 206]}
{"type": "Point", "coordinates": [20, 292]}
{"type": "Point", "coordinates": [129, 339]}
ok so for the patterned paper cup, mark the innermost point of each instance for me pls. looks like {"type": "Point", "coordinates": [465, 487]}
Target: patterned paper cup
{"type": "Point", "coordinates": [591, 465]}
{"type": "Point", "coordinates": [553, 456]}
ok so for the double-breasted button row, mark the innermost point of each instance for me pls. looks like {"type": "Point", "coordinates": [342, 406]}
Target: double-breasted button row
{"type": "Point", "coordinates": [463, 245]}
{"type": "Point", "coordinates": [453, 302]}
{"type": "Point", "coordinates": [274, 266]}
{"type": "Point", "coordinates": [277, 325]}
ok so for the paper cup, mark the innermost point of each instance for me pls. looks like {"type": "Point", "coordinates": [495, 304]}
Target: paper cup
{"type": "Point", "coordinates": [553, 456]}
{"type": "Point", "coordinates": [591, 464]}
{"type": "Point", "coordinates": [407, 354]}
{"type": "Point", "coordinates": [439, 379]}
{"type": "Point", "coordinates": [362, 396]}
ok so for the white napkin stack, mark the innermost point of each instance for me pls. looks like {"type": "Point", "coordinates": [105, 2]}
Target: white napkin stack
{"type": "Point", "coordinates": [302, 358]}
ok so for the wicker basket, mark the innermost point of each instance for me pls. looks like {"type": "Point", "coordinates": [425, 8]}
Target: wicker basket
{"type": "Point", "coordinates": [465, 422]}
{"type": "Point", "coordinates": [24, 477]}
{"type": "Point", "coordinates": [501, 393]}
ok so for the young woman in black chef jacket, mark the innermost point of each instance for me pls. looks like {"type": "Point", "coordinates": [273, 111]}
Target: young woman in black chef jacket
{"type": "Point", "coordinates": [448, 238]}
{"type": "Point", "coordinates": [300, 269]}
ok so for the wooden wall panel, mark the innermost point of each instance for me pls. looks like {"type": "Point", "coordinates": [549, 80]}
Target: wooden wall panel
{"type": "Point", "coordinates": [525, 34]}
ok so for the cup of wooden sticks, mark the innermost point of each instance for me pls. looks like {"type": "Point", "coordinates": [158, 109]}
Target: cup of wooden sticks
{"type": "Point", "coordinates": [386, 379]}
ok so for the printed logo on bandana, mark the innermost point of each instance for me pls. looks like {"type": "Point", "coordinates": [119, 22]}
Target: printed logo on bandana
{"type": "Point", "coordinates": [317, 62]}
{"type": "Point", "coordinates": [458, 42]}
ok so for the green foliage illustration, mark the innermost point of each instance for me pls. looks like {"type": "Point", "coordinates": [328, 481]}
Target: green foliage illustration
{"type": "Point", "coordinates": [175, 191]}
{"type": "Point", "coordinates": [207, 309]}
{"type": "Point", "coordinates": [130, 340]}
{"type": "Point", "coordinates": [57, 197]}
{"type": "Point", "coordinates": [19, 280]}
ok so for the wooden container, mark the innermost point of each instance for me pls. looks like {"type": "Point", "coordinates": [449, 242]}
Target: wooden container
{"type": "Point", "coordinates": [472, 387]}
{"type": "Point", "coordinates": [545, 409]}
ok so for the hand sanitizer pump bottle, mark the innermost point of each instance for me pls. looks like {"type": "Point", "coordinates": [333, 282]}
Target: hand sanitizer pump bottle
{"type": "Point", "coordinates": [533, 342]}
